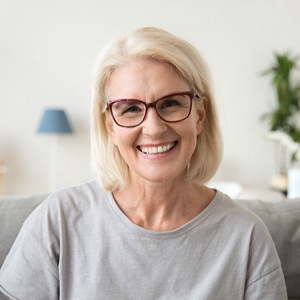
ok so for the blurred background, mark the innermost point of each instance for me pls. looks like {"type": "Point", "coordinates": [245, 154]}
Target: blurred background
{"type": "Point", "coordinates": [47, 53]}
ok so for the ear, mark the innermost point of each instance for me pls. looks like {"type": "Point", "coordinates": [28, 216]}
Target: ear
{"type": "Point", "coordinates": [201, 114]}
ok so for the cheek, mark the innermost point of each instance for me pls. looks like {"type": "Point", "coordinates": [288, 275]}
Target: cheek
{"type": "Point", "coordinates": [195, 129]}
{"type": "Point", "coordinates": [122, 137]}
{"type": "Point", "coordinates": [117, 133]}
{"type": "Point", "coordinates": [193, 139]}
{"type": "Point", "coordinates": [116, 137]}
{"type": "Point", "coordinates": [109, 124]}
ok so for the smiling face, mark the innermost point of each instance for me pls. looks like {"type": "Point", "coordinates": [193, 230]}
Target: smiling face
{"type": "Point", "coordinates": [155, 151]}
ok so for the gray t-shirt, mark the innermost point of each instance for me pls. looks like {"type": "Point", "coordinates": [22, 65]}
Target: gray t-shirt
{"type": "Point", "coordinates": [79, 245]}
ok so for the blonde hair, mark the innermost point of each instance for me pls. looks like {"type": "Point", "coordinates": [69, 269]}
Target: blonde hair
{"type": "Point", "coordinates": [152, 43]}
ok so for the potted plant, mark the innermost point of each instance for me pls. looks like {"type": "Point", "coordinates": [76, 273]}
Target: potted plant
{"type": "Point", "coordinates": [284, 118]}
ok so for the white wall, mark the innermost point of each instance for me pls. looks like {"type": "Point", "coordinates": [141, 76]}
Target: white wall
{"type": "Point", "coordinates": [48, 48]}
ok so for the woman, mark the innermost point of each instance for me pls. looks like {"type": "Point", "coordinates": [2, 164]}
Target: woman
{"type": "Point", "coordinates": [148, 228]}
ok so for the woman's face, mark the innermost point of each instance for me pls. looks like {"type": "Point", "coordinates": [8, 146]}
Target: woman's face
{"type": "Point", "coordinates": [155, 151]}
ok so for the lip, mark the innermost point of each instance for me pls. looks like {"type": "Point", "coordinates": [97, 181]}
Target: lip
{"type": "Point", "coordinates": [157, 149]}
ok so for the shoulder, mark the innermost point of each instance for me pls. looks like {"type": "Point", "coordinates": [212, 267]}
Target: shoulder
{"type": "Point", "coordinates": [83, 195]}
{"type": "Point", "coordinates": [235, 211]}
{"type": "Point", "coordinates": [68, 204]}
{"type": "Point", "coordinates": [246, 229]}
{"type": "Point", "coordinates": [243, 223]}
{"type": "Point", "coordinates": [88, 190]}
{"type": "Point", "coordinates": [239, 221]}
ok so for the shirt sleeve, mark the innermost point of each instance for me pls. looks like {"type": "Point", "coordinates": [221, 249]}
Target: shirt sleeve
{"type": "Point", "coordinates": [30, 270]}
{"type": "Point", "coordinates": [265, 279]}
{"type": "Point", "coordinates": [269, 287]}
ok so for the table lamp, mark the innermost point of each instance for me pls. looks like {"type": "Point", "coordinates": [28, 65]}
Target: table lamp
{"type": "Point", "coordinates": [54, 122]}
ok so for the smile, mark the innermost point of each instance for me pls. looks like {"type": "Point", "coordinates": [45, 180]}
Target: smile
{"type": "Point", "coordinates": [158, 149]}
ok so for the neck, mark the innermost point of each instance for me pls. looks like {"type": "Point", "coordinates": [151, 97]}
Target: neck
{"type": "Point", "coordinates": [162, 207]}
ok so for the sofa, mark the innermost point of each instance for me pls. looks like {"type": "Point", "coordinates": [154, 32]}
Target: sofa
{"type": "Point", "coordinates": [282, 218]}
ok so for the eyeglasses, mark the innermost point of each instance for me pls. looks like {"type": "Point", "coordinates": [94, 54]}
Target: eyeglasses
{"type": "Point", "coordinates": [171, 108]}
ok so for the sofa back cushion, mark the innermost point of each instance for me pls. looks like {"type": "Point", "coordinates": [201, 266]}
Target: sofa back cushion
{"type": "Point", "coordinates": [13, 213]}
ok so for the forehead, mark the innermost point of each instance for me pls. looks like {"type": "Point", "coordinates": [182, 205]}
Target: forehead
{"type": "Point", "coordinates": [142, 77]}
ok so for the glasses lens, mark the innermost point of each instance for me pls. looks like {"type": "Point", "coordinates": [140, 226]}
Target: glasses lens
{"type": "Point", "coordinates": [128, 112]}
{"type": "Point", "coordinates": [175, 108]}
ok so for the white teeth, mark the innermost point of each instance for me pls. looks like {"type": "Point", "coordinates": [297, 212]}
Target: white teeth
{"type": "Point", "coordinates": [156, 150]}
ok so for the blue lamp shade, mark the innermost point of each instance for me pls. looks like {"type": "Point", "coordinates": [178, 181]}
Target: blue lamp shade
{"type": "Point", "coordinates": [55, 121]}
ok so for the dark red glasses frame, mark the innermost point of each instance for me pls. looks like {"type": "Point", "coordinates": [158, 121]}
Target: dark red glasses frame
{"type": "Point", "coordinates": [190, 94]}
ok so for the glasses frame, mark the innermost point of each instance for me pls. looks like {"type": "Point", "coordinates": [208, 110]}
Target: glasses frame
{"type": "Point", "coordinates": [190, 94]}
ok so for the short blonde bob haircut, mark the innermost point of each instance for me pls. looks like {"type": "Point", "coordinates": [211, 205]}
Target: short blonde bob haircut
{"type": "Point", "coordinates": [157, 44]}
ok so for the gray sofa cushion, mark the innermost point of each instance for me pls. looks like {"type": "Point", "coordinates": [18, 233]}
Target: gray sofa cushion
{"type": "Point", "coordinates": [13, 212]}
{"type": "Point", "coordinates": [283, 221]}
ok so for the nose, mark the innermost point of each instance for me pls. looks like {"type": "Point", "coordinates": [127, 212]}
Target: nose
{"type": "Point", "coordinates": [153, 125]}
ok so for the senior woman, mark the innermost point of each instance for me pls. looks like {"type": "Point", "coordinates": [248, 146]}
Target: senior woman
{"type": "Point", "coordinates": [148, 228]}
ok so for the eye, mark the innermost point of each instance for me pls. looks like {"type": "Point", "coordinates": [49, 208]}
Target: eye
{"type": "Point", "coordinates": [131, 108]}
{"type": "Point", "coordinates": [169, 103]}
{"type": "Point", "coordinates": [172, 104]}
{"type": "Point", "coordinates": [127, 108]}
